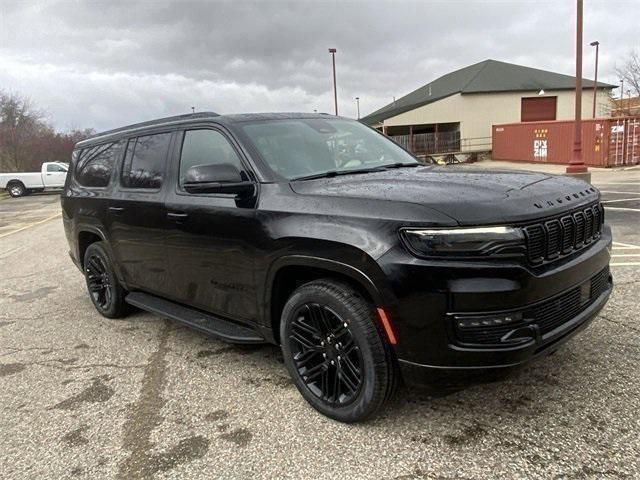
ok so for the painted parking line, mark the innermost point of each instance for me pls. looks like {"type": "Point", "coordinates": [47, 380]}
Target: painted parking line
{"type": "Point", "coordinates": [618, 183]}
{"type": "Point", "coordinates": [31, 225]}
{"type": "Point", "coordinates": [625, 209]}
{"type": "Point", "coordinates": [616, 192]}
{"type": "Point", "coordinates": [620, 264]}
{"type": "Point", "coordinates": [629, 245]}
{"type": "Point", "coordinates": [621, 200]}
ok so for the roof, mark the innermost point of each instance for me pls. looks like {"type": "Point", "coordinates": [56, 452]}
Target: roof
{"type": "Point", "coordinates": [151, 123]}
{"type": "Point", "coordinates": [484, 77]}
{"type": "Point", "coordinates": [233, 118]}
{"type": "Point", "coordinates": [627, 102]}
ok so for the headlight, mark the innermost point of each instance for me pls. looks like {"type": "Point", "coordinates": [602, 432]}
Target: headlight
{"type": "Point", "coordinates": [476, 241]}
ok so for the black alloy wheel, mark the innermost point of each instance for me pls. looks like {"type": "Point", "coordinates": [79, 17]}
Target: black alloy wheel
{"type": "Point", "coordinates": [326, 354]}
{"type": "Point", "coordinates": [98, 281]}
{"type": "Point", "coordinates": [335, 352]}
{"type": "Point", "coordinates": [105, 290]}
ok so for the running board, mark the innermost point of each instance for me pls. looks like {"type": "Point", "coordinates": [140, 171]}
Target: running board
{"type": "Point", "coordinates": [205, 322]}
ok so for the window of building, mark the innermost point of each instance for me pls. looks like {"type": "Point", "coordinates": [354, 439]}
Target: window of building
{"type": "Point", "coordinates": [206, 147]}
{"type": "Point", "coordinates": [144, 161]}
{"type": "Point", "coordinates": [94, 165]}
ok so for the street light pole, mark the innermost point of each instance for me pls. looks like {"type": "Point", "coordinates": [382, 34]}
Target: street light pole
{"type": "Point", "coordinates": [358, 105]}
{"type": "Point", "coordinates": [595, 80]}
{"type": "Point", "coordinates": [333, 51]}
{"type": "Point", "coordinates": [576, 166]}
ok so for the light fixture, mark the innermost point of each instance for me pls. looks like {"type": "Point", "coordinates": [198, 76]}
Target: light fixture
{"type": "Point", "coordinates": [541, 92]}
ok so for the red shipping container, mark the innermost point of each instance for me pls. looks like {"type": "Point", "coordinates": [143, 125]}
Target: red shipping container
{"type": "Point", "coordinates": [606, 142]}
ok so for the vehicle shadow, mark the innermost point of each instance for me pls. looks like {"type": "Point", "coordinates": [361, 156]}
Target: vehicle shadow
{"type": "Point", "coordinates": [494, 386]}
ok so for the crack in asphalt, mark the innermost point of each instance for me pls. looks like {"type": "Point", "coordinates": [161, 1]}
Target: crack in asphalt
{"type": "Point", "coordinates": [620, 323]}
{"type": "Point", "coordinates": [145, 415]}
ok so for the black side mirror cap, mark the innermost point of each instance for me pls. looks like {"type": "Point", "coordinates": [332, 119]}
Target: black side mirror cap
{"type": "Point", "coordinates": [218, 178]}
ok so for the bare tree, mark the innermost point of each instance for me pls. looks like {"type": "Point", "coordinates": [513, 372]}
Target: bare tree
{"type": "Point", "coordinates": [26, 140]}
{"type": "Point", "coordinates": [19, 123]}
{"type": "Point", "coordinates": [630, 72]}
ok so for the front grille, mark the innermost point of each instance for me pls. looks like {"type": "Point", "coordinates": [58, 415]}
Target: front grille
{"type": "Point", "coordinates": [546, 315]}
{"type": "Point", "coordinates": [549, 240]}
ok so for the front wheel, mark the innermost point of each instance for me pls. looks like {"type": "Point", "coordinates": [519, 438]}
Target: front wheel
{"type": "Point", "coordinates": [105, 290]}
{"type": "Point", "coordinates": [334, 352]}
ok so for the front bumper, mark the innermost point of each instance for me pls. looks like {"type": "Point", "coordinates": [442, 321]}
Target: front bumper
{"type": "Point", "coordinates": [420, 374]}
{"type": "Point", "coordinates": [430, 296]}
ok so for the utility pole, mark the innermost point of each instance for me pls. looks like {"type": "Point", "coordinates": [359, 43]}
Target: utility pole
{"type": "Point", "coordinates": [358, 105]}
{"type": "Point", "coordinates": [333, 51]}
{"type": "Point", "coordinates": [576, 166]}
{"type": "Point", "coordinates": [595, 80]}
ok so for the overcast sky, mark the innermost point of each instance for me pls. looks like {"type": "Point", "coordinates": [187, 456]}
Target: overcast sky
{"type": "Point", "coordinates": [106, 64]}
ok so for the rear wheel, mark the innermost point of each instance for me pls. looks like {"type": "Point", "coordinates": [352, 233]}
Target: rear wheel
{"type": "Point", "coordinates": [16, 189]}
{"type": "Point", "coordinates": [334, 352]}
{"type": "Point", "coordinates": [105, 291]}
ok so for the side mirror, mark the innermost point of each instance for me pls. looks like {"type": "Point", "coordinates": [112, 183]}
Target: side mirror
{"type": "Point", "coordinates": [217, 178]}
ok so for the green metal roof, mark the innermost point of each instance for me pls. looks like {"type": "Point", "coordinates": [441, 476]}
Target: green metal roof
{"type": "Point", "coordinates": [484, 77]}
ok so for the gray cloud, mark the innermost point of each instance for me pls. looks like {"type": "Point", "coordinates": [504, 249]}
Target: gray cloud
{"type": "Point", "coordinates": [104, 64]}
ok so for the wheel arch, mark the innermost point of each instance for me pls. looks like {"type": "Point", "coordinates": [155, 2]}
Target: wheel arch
{"type": "Point", "coordinates": [17, 181]}
{"type": "Point", "coordinates": [288, 273]}
{"type": "Point", "coordinates": [86, 235]}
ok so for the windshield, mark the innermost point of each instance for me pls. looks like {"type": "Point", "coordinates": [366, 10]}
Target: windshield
{"type": "Point", "coordinates": [305, 147]}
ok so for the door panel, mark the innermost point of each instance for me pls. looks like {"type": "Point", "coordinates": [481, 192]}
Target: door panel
{"type": "Point", "coordinates": [137, 215]}
{"type": "Point", "coordinates": [136, 223]}
{"type": "Point", "coordinates": [54, 176]}
{"type": "Point", "coordinates": [211, 239]}
{"type": "Point", "coordinates": [211, 255]}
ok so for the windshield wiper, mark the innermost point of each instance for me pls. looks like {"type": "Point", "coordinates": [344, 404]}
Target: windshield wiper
{"type": "Point", "coordinates": [400, 165]}
{"type": "Point", "coordinates": [335, 173]}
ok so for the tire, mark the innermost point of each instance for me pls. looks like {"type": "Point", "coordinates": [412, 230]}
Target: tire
{"type": "Point", "coordinates": [103, 286]}
{"type": "Point", "coordinates": [16, 189]}
{"type": "Point", "coordinates": [363, 375]}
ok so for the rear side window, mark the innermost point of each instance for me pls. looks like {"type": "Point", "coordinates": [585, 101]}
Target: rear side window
{"type": "Point", "coordinates": [144, 161]}
{"type": "Point", "coordinates": [94, 165]}
{"type": "Point", "coordinates": [206, 147]}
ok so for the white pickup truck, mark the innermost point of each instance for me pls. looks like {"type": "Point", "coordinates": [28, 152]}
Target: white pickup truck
{"type": "Point", "coordinates": [52, 176]}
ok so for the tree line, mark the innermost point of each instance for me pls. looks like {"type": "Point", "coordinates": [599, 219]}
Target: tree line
{"type": "Point", "coordinates": [27, 140]}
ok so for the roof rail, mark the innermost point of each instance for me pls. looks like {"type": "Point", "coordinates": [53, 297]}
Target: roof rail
{"type": "Point", "coordinates": [158, 121]}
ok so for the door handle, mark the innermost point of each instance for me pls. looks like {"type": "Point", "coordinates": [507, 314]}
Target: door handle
{"type": "Point", "coordinates": [116, 210]}
{"type": "Point", "coordinates": [178, 217]}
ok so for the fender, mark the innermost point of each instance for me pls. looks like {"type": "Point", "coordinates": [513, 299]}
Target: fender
{"type": "Point", "coordinates": [317, 262]}
{"type": "Point", "coordinates": [99, 231]}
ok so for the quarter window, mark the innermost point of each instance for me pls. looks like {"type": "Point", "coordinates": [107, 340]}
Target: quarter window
{"type": "Point", "coordinates": [144, 161]}
{"type": "Point", "coordinates": [94, 165]}
{"type": "Point", "coordinates": [206, 147]}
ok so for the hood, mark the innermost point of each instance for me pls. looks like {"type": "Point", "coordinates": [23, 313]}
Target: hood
{"type": "Point", "coordinates": [472, 197]}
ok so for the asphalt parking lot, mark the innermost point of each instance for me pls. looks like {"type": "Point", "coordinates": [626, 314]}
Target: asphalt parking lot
{"type": "Point", "coordinates": [86, 397]}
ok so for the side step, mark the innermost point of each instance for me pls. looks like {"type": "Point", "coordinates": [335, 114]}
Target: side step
{"type": "Point", "coordinates": [205, 322]}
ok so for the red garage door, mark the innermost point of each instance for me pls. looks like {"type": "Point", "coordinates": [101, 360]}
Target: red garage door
{"type": "Point", "coordinates": [538, 109]}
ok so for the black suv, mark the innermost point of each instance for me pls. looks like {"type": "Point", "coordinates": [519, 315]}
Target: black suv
{"type": "Point", "coordinates": [321, 235]}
